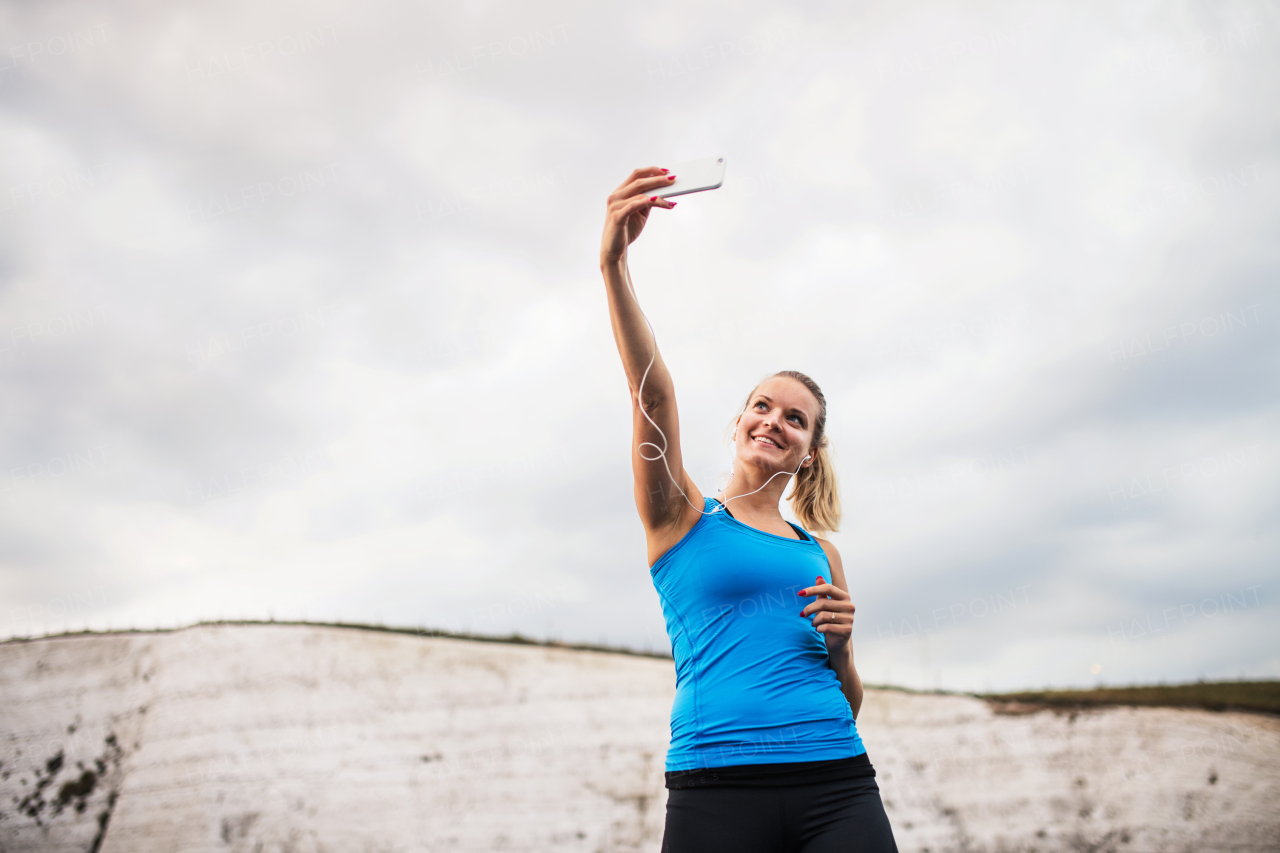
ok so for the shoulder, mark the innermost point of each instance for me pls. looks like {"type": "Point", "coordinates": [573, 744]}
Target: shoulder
{"type": "Point", "coordinates": [833, 557]}
{"type": "Point", "coordinates": [666, 539]}
{"type": "Point", "coordinates": [832, 554]}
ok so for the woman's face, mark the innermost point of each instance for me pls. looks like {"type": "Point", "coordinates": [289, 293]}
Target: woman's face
{"type": "Point", "coordinates": [776, 430]}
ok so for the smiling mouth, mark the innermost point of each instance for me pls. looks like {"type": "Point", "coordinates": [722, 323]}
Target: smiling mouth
{"type": "Point", "coordinates": [765, 440]}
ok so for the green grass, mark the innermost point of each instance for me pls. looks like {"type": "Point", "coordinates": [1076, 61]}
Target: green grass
{"type": "Point", "coordinates": [1258, 696]}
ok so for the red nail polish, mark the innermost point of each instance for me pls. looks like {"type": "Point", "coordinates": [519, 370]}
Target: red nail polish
{"type": "Point", "coordinates": [671, 177]}
{"type": "Point", "coordinates": [666, 170]}
{"type": "Point", "coordinates": [654, 198]}
{"type": "Point", "coordinates": [802, 592]}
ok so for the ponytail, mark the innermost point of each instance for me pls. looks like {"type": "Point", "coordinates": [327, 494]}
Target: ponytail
{"type": "Point", "coordinates": [815, 497]}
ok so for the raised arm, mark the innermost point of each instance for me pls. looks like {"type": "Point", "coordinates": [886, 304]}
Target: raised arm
{"type": "Point", "coordinates": [656, 462]}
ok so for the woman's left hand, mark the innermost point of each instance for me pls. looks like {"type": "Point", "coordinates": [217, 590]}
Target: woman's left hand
{"type": "Point", "coordinates": [832, 614]}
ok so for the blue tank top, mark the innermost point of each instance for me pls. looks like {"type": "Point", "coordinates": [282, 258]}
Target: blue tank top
{"type": "Point", "coordinates": [752, 681]}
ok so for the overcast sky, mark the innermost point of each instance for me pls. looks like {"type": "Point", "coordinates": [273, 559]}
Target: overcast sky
{"type": "Point", "coordinates": [301, 315]}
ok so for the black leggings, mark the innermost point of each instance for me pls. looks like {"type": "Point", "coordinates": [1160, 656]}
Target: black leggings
{"type": "Point", "coordinates": [845, 815]}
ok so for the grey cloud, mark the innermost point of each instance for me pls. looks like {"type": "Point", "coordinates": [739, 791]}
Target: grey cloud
{"type": "Point", "coordinates": [352, 346]}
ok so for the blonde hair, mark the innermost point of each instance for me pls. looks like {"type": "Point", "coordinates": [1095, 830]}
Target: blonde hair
{"type": "Point", "coordinates": [815, 495]}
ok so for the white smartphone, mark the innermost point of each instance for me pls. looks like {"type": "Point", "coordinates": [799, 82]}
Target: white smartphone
{"type": "Point", "coordinates": [694, 177]}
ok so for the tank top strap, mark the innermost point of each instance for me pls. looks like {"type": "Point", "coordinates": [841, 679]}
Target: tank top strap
{"type": "Point", "coordinates": [804, 534]}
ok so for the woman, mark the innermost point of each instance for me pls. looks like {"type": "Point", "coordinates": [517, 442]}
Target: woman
{"type": "Point", "coordinates": [765, 753]}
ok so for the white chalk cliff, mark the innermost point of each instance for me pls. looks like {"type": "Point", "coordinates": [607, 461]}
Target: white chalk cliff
{"type": "Point", "coordinates": [305, 739]}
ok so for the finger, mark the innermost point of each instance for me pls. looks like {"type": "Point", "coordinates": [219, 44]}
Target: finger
{"type": "Point", "coordinates": [824, 589]}
{"type": "Point", "coordinates": [637, 174]}
{"type": "Point", "coordinates": [645, 172]}
{"type": "Point", "coordinates": [820, 587]}
{"type": "Point", "coordinates": [646, 185]}
{"type": "Point", "coordinates": [645, 203]}
{"type": "Point", "coordinates": [829, 587]}
{"type": "Point", "coordinates": [653, 175]}
{"type": "Point", "coordinates": [827, 605]}
{"type": "Point", "coordinates": [825, 616]}
{"type": "Point", "coordinates": [635, 205]}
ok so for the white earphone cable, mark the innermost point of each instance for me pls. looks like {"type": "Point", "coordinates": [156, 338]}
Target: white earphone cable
{"type": "Point", "coordinates": [662, 451]}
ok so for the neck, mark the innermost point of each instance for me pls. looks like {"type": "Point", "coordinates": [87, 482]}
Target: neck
{"type": "Point", "coordinates": [759, 504]}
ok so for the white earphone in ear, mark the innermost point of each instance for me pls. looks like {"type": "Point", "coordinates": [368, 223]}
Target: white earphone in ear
{"type": "Point", "coordinates": [806, 459]}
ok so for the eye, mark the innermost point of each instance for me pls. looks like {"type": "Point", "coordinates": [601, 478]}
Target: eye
{"type": "Point", "coordinates": [761, 403]}
{"type": "Point", "coordinates": [798, 419]}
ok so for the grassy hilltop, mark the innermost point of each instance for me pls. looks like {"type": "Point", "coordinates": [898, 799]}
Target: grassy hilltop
{"type": "Point", "coordinates": [1257, 696]}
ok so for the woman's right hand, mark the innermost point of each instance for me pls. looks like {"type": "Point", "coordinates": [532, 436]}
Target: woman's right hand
{"type": "Point", "coordinates": [628, 210]}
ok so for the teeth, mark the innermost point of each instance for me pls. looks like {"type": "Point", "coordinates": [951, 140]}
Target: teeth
{"type": "Point", "coordinates": [762, 439]}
